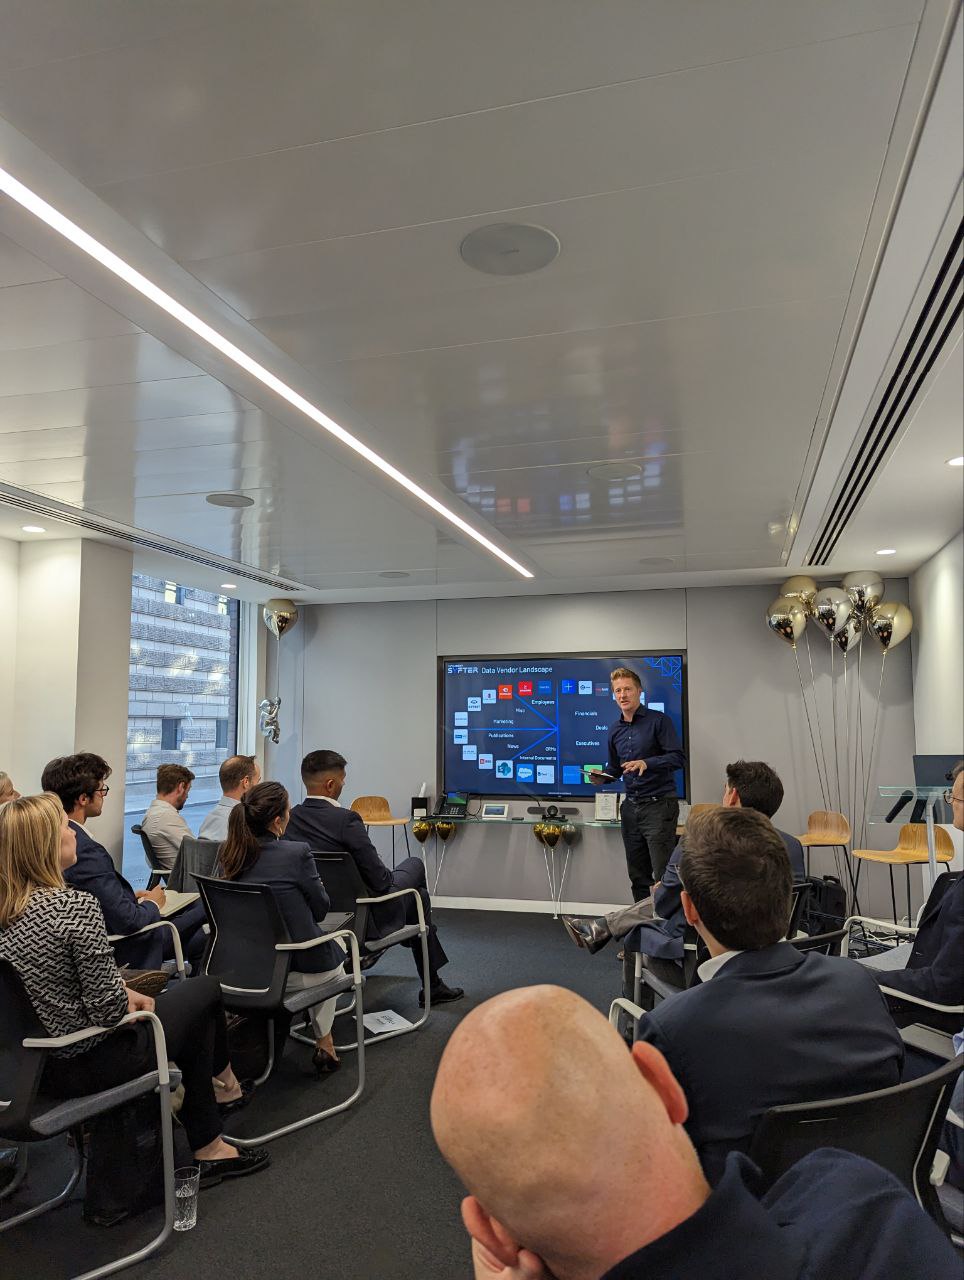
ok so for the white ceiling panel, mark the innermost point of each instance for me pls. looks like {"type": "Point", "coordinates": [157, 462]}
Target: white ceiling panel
{"type": "Point", "coordinates": [94, 362]}
{"type": "Point", "coordinates": [54, 311]}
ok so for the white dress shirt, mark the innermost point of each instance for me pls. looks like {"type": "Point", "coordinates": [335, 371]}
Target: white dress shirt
{"type": "Point", "coordinates": [710, 968]}
{"type": "Point", "coordinates": [165, 829]}
{"type": "Point", "coordinates": [215, 825]}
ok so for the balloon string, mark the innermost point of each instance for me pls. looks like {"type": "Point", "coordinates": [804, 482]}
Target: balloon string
{"type": "Point", "coordinates": [873, 736]}
{"type": "Point", "coordinates": [846, 686]}
{"type": "Point", "coordinates": [861, 790]}
{"type": "Point", "coordinates": [816, 714]}
{"type": "Point", "coordinates": [833, 704]}
{"type": "Point", "coordinates": [806, 707]}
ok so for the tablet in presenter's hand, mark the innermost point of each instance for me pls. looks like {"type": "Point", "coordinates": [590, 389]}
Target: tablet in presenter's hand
{"type": "Point", "coordinates": [599, 776]}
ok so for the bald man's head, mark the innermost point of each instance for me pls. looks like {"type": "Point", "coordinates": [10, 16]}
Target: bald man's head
{"type": "Point", "coordinates": [562, 1135]}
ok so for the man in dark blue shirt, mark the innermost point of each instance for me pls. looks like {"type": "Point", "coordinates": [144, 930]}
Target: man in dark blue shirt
{"type": "Point", "coordinates": [645, 750]}
{"type": "Point", "coordinates": [576, 1162]}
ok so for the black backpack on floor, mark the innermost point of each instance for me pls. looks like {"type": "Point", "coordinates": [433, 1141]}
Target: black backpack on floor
{"type": "Point", "coordinates": [826, 907]}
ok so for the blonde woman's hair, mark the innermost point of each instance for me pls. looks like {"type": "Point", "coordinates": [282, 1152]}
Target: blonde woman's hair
{"type": "Point", "coordinates": [29, 852]}
{"type": "Point", "coordinates": [6, 784]}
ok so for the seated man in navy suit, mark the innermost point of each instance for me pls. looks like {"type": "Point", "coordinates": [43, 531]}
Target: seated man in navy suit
{"type": "Point", "coordinates": [323, 824]}
{"type": "Point", "coordinates": [750, 784]}
{"type": "Point", "coordinates": [935, 967]}
{"type": "Point", "coordinates": [575, 1161]}
{"type": "Point", "coordinates": [769, 1024]}
{"type": "Point", "coordinates": [81, 783]}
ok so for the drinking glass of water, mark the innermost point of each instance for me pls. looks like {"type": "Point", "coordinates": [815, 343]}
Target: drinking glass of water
{"type": "Point", "coordinates": [187, 1184]}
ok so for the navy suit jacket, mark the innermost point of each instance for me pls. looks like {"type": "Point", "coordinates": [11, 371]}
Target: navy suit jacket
{"type": "Point", "coordinates": [935, 970]}
{"type": "Point", "coordinates": [328, 828]}
{"type": "Point", "coordinates": [771, 1027]}
{"type": "Point", "coordinates": [290, 870]}
{"type": "Point", "coordinates": [831, 1214]}
{"type": "Point", "coordinates": [95, 873]}
{"type": "Point", "coordinates": [664, 937]}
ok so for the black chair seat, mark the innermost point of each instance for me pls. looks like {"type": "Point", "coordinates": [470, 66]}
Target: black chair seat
{"type": "Point", "coordinates": [299, 1000]}
{"type": "Point", "coordinates": [390, 939]}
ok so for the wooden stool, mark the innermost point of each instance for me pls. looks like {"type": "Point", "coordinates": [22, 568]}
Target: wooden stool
{"type": "Point", "coordinates": [911, 851]}
{"type": "Point", "coordinates": [374, 811]}
{"type": "Point", "coordinates": [694, 808]}
{"type": "Point", "coordinates": [827, 829]}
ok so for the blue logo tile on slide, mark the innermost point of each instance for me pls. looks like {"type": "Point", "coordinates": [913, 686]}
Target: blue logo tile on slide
{"type": "Point", "coordinates": [524, 773]}
{"type": "Point", "coordinates": [567, 686]}
{"type": "Point", "coordinates": [572, 775]}
{"type": "Point", "coordinates": [544, 687]}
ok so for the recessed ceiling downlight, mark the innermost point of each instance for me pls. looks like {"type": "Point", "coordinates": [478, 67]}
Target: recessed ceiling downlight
{"type": "Point", "coordinates": [613, 470]}
{"type": "Point", "coordinates": [509, 249]}
{"type": "Point", "coordinates": [33, 528]}
{"type": "Point", "coordinates": [394, 573]}
{"type": "Point", "coordinates": [229, 500]}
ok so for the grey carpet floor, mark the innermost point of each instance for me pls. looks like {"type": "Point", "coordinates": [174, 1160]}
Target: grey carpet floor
{"type": "Point", "coordinates": [362, 1196]}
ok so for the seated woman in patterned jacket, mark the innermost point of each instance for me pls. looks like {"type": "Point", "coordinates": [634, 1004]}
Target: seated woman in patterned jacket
{"type": "Point", "coordinates": [55, 938]}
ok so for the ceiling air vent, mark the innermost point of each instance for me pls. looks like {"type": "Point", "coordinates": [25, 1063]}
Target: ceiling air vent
{"type": "Point", "coordinates": [933, 327]}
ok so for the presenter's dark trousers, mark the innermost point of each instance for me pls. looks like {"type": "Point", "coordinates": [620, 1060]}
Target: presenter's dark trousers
{"type": "Point", "coordinates": [410, 874]}
{"type": "Point", "coordinates": [649, 837]}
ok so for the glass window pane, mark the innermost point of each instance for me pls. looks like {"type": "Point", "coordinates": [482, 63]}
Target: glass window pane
{"type": "Point", "coordinates": [183, 700]}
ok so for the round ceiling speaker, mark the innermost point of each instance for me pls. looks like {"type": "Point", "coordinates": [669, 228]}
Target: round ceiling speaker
{"type": "Point", "coordinates": [229, 500]}
{"type": "Point", "coordinates": [509, 249]}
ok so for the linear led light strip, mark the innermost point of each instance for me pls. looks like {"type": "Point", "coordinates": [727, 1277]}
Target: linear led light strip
{"type": "Point", "coordinates": [77, 236]}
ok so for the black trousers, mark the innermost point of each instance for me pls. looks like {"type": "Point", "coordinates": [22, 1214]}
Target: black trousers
{"type": "Point", "coordinates": [410, 874]}
{"type": "Point", "coordinates": [649, 837]}
{"type": "Point", "coordinates": [192, 1016]}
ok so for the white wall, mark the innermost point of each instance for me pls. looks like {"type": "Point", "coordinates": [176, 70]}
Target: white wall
{"type": "Point", "coordinates": [937, 599]}
{"type": "Point", "coordinates": [71, 667]}
{"type": "Point", "coordinates": [9, 591]}
{"type": "Point", "coordinates": [362, 679]}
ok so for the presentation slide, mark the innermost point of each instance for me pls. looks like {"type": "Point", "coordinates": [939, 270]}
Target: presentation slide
{"type": "Point", "coordinates": [532, 726]}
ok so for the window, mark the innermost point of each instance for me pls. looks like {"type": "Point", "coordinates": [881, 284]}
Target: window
{"type": "Point", "coordinates": [183, 697]}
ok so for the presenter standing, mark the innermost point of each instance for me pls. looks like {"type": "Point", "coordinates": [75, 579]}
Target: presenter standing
{"type": "Point", "coordinates": [645, 750]}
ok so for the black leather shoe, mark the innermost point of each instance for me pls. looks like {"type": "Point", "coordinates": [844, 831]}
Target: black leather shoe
{"type": "Point", "coordinates": [324, 1063]}
{"type": "Point", "coordinates": [588, 933]}
{"type": "Point", "coordinates": [237, 1104]}
{"type": "Point", "coordinates": [441, 995]}
{"type": "Point", "coordinates": [249, 1160]}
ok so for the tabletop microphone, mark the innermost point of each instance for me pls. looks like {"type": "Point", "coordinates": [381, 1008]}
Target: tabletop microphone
{"type": "Point", "coordinates": [903, 800]}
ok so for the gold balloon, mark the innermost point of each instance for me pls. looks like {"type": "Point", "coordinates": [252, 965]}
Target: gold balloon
{"type": "Point", "coordinates": [800, 588]}
{"type": "Point", "coordinates": [891, 623]}
{"type": "Point", "coordinates": [850, 634]}
{"type": "Point", "coordinates": [280, 616]}
{"type": "Point", "coordinates": [538, 830]}
{"type": "Point", "coordinates": [444, 829]}
{"type": "Point", "coordinates": [865, 589]}
{"type": "Point", "coordinates": [832, 608]}
{"type": "Point", "coordinates": [421, 830]}
{"type": "Point", "coordinates": [787, 618]}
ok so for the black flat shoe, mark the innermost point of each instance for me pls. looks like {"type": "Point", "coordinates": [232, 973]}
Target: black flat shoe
{"type": "Point", "coordinates": [324, 1063]}
{"type": "Point", "coordinates": [237, 1104]}
{"type": "Point", "coordinates": [248, 1160]}
{"type": "Point", "coordinates": [441, 995]}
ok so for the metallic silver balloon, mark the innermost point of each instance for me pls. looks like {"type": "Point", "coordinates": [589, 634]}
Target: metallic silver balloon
{"type": "Point", "coordinates": [800, 588]}
{"type": "Point", "coordinates": [787, 618]}
{"type": "Point", "coordinates": [280, 616]}
{"type": "Point", "coordinates": [865, 589]}
{"type": "Point", "coordinates": [891, 622]}
{"type": "Point", "coordinates": [832, 608]}
{"type": "Point", "coordinates": [850, 634]}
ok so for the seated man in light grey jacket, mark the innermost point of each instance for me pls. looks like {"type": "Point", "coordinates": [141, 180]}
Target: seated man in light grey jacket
{"type": "Point", "coordinates": [237, 775]}
{"type": "Point", "coordinates": [163, 824]}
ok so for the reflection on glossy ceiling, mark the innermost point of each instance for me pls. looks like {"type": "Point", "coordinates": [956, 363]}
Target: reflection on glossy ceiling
{"type": "Point", "coordinates": [316, 167]}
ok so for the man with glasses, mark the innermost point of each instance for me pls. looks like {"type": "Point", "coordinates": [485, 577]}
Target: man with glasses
{"type": "Point", "coordinates": [80, 781]}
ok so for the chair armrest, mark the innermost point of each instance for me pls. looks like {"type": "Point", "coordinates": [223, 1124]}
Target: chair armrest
{"type": "Point", "coordinates": [157, 924]}
{"type": "Point", "coordinates": [888, 926]}
{"type": "Point", "coordinates": [398, 893]}
{"type": "Point", "coordinates": [76, 1037]}
{"type": "Point", "coordinates": [329, 937]}
{"type": "Point", "coordinates": [627, 1006]}
{"type": "Point", "coordinates": [920, 1002]}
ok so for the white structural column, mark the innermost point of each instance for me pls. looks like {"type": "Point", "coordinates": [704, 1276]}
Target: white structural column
{"type": "Point", "coordinates": [71, 665]}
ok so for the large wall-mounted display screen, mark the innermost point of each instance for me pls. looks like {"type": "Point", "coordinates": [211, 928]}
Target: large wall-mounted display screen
{"type": "Point", "coordinates": [531, 726]}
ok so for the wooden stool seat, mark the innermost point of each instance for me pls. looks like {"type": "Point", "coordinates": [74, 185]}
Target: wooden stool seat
{"type": "Point", "coordinates": [375, 811]}
{"type": "Point", "coordinates": [910, 850]}
{"type": "Point", "coordinates": [694, 808]}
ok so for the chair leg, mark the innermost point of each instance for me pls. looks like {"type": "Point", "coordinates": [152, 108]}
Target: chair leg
{"type": "Point", "coordinates": [19, 1171]}
{"type": "Point", "coordinates": [359, 1045]}
{"type": "Point", "coordinates": [408, 847]}
{"type": "Point", "coordinates": [271, 1051]}
{"type": "Point", "coordinates": [404, 1031]}
{"type": "Point", "coordinates": [60, 1197]}
{"type": "Point", "coordinates": [393, 848]}
{"type": "Point", "coordinates": [907, 871]}
{"type": "Point", "coordinates": [893, 896]}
